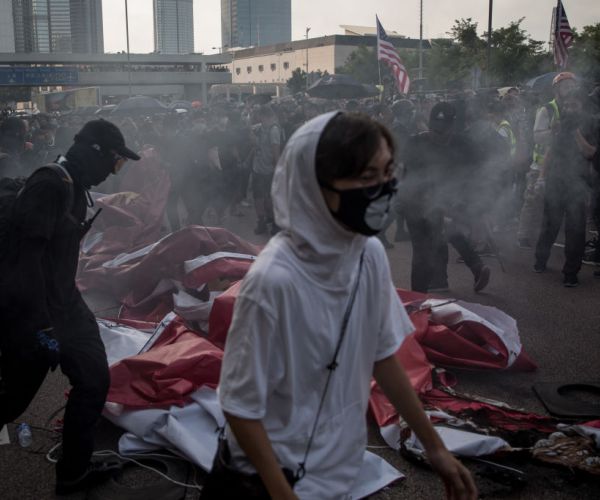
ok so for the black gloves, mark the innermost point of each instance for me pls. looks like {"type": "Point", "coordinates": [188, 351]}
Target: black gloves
{"type": "Point", "coordinates": [48, 346]}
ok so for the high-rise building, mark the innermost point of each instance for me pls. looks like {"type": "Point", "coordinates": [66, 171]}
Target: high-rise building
{"type": "Point", "coordinates": [174, 26]}
{"type": "Point", "coordinates": [7, 32]}
{"type": "Point", "coordinates": [58, 25]}
{"type": "Point", "coordinates": [86, 26]}
{"type": "Point", "coordinates": [246, 23]}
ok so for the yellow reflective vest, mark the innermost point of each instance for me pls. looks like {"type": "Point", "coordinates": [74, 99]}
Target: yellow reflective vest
{"type": "Point", "coordinates": [505, 125]}
{"type": "Point", "coordinates": [539, 150]}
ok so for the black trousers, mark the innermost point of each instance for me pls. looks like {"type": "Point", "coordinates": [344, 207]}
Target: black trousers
{"type": "Point", "coordinates": [83, 361]}
{"type": "Point", "coordinates": [430, 237]}
{"type": "Point", "coordinates": [559, 204]}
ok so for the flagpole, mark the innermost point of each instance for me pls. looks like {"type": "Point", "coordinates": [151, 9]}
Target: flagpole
{"type": "Point", "coordinates": [377, 56]}
{"type": "Point", "coordinates": [489, 43]}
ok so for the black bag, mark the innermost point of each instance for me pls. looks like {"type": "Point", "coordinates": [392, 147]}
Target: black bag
{"type": "Point", "coordinates": [224, 481]}
{"type": "Point", "coordinates": [9, 191]}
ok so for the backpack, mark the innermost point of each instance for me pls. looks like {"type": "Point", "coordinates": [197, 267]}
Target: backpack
{"type": "Point", "coordinates": [11, 188]}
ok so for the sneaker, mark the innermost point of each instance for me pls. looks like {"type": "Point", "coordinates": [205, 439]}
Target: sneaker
{"type": "Point", "coordinates": [539, 268]}
{"type": "Point", "coordinates": [96, 473]}
{"type": "Point", "coordinates": [570, 281]}
{"type": "Point", "coordinates": [524, 243]}
{"type": "Point", "coordinates": [482, 278]}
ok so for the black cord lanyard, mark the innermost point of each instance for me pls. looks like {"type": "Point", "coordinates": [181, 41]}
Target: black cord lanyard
{"type": "Point", "coordinates": [330, 368]}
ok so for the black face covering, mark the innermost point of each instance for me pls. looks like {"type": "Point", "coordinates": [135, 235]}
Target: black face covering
{"type": "Point", "coordinates": [365, 210]}
{"type": "Point", "coordinates": [571, 120]}
{"type": "Point", "coordinates": [91, 166]}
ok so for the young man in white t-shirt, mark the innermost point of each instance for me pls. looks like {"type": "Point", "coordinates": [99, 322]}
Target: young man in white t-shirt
{"type": "Point", "coordinates": [332, 191]}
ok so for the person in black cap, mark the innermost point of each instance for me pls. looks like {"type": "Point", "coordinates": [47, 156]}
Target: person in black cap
{"type": "Point", "coordinates": [439, 170]}
{"type": "Point", "coordinates": [46, 322]}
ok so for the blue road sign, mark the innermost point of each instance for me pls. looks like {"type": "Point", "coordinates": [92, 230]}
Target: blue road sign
{"type": "Point", "coordinates": [38, 76]}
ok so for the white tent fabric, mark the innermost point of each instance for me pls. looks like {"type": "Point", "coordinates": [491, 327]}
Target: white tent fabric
{"type": "Point", "coordinates": [191, 432]}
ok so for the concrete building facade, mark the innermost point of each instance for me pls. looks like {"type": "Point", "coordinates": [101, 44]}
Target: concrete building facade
{"type": "Point", "coordinates": [255, 23]}
{"type": "Point", "coordinates": [275, 63]}
{"type": "Point", "coordinates": [174, 26]}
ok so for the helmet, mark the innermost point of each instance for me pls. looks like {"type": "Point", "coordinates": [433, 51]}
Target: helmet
{"type": "Point", "coordinates": [565, 75]}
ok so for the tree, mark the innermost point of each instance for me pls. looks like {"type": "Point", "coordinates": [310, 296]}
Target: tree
{"type": "Point", "coordinates": [515, 57]}
{"type": "Point", "coordinates": [362, 65]}
{"type": "Point", "coordinates": [584, 56]}
{"type": "Point", "coordinates": [297, 83]}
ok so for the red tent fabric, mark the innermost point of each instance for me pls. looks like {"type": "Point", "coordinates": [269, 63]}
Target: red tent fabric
{"type": "Point", "coordinates": [177, 364]}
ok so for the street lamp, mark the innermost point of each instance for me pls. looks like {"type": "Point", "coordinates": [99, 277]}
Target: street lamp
{"type": "Point", "coordinates": [127, 35]}
{"type": "Point", "coordinates": [421, 45]}
{"type": "Point", "coordinates": [307, 30]}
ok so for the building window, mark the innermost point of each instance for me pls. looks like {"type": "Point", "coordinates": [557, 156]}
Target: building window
{"type": "Point", "coordinates": [261, 68]}
{"type": "Point", "coordinates": [273, 67]}
{"type": "Point", "coordinates": [248, 69]}
{"type": "Point", "coordinates": [238, 71]}
{"type": "Point", "coordinates": [286, 65]}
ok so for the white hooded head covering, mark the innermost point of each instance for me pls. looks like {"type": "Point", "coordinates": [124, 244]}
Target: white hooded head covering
{"type": "Point", "coordinates": [328, 251]}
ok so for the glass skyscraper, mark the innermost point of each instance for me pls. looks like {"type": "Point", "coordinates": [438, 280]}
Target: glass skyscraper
{"type": "Point", "coordinates": [246, 23]}
{"type": "Point", "coordinates": [58, 25]}
{"type": "Point", "coordinates": [86, 26]}
{"type": "Point", "coordinates": [174, 26]}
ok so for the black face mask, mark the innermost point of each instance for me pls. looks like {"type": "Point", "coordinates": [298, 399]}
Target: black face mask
{"type": "Point", "coordinates": [365, 210]}
{"type": "Point", "coordinates": [571, 120]}
{"type": "Point", "coordinates": [92, 166]}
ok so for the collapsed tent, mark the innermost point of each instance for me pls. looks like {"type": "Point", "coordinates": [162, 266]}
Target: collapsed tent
{"type": "Point", "coordinates": [177, 293]}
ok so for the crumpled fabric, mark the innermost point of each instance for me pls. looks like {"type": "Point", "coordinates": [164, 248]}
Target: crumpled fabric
{"type": "Point", "coordinates": [178, 363]}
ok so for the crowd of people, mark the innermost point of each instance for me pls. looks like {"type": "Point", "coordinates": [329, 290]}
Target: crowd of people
{"type": "Point", "coordinates": [472, 168]}
{"type": "Point", "coordinates": [461, 172]}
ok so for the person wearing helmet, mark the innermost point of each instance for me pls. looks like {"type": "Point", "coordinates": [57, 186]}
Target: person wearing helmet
{"type": "Point", "coordinates": [567, 177]}
{"type": "Point", "coordinates": [45, 320]}
{"type": "Point", "coordinates": [547, 119]}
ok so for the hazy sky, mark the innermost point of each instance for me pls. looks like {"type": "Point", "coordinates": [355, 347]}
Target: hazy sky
{"type": "Point", "coordinates": [325, 16]}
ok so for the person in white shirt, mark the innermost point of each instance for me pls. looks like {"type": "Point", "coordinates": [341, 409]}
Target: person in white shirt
{"type": "Point", "coordinates": [332, 191]}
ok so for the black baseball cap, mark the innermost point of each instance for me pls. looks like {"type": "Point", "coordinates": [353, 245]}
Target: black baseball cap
{"type": "Point", "coordinates": [106, 136]}
{"type": "Point", "coordinates": [443, 112]}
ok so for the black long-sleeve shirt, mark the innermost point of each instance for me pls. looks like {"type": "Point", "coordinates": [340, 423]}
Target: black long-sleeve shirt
{"type": "Point", "coordinates": [45, 251]}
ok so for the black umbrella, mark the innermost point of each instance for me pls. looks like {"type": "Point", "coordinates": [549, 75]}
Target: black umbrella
{"type": "Point", "coordinates": [187, 105]}
{"type": "Point", "coordinates": [105, 110]}
{"type": "Point", "coordinates": [340, 87]}
{"type": "Point", "coordinates": [86, 110]}
{"type": "Point", "coordinates": [140, 104]}
{"type": "Point", "coordinates": [541, 83]}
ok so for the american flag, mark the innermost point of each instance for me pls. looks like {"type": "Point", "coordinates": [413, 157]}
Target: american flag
{"type": "Point", "coordinates": [563, 37]}
{"type": "Point", "coordinates": [387, 52]}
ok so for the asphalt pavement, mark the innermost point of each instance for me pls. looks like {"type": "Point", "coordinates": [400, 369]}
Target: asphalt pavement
{"type": "Point", "coordinates": [559, 328]}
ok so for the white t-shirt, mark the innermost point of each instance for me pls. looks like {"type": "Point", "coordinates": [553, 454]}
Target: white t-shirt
{"type": "Point", "coordinates": [285, 329]}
